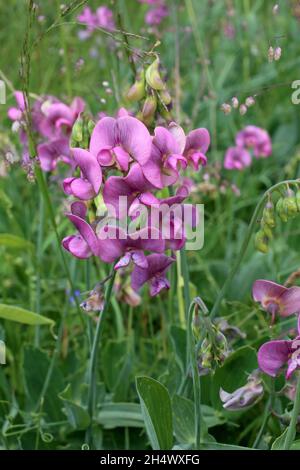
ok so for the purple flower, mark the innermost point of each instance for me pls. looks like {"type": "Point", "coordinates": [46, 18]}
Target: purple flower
{"type": "Point", "coordinates": [110, 243]}
{"type": "Point", "coordinates": [51, 152]}
{"type": "Point", "coordinates": [245, 396]}
{"type": "Point", "coordinates": [162, 168]}
{"type": "Point", "coordinates": [276, 299]}
{"type": "Point", "coordinates": [155, 274]}
{"type": "Point", "coordinates": [135, 187]}
{"type": "Point", "coordinates": [88, 184]}
{"type": "Point", "coordinates": [85, 243]}
{"type": "Point", "coordinates": [237, 158]}
{"type": "Point", "coordinates": [257, 139]}
{"type": "Point", "coordinates": [105, 18]}
{"type": "Point", "coordinates": [117, 142]}
{"type": "Point", "coordinates": [193, 146]}
{"type": "Point", "coordinates": [274, 355]}
{"type": "Point", "coordinates": [16, 113]}
{"type": "Point", "coordinates": [156, 15]}
{"type": "Point", "coordinates": [58, 118]}
{"type": "Point", "coordinates": [88, 18]}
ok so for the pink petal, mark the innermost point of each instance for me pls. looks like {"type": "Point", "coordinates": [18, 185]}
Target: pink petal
{"type": "Point", "coordinates": [86, 232]}
{"type": "Point", "coordinates": [89, 166]}
{"type": "Point", "coordinates": [103, 136]}
{"type": "Point", "coordinates": [290, 301]}
{"type": "Point", "coordinates": [77, 246]}
{"type": "Point", "coordinates": [134, 137]}
{"type": "Point", "coordinates": [273, 355]}
{"type": "Point", "coordinates": [198, 139]}
{"type": "Point", "coordinates": [263, 290]}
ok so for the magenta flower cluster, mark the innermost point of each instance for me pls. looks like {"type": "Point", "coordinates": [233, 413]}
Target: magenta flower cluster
{"type": "Point", "coordinates": [282, 301]}
{"type": "Point", "coordinates": [125, 162]}
{"type": "Point", "coordinates": [251, 141]}
{"type": "Point", "coordinates": [157, 11]}
{"type": "Point", "coordinates": [52, 123]}
{"type": "Point", "coordinates": [101, 18]}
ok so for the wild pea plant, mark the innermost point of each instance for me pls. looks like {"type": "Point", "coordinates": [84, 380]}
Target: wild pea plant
{"type": "Point", "coordinates": [150, 345]}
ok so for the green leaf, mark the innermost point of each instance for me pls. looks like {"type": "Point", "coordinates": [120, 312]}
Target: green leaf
{"type": "Point", "coordinates": [184, 419]}
{"type": "Point", "coordinates": [78, 416]}
{"type": "Point", "coordinates": [20, 315]}
{"type": "Point", "coordinates": [219, 446]}
{"type": "Point", "coordinates": [36, 365]}
{"type": "Point", "coordinates": [157, 412]}
{"type": "Point", "coordinates": [14, 242]}
{"type": "Point", "coordinates": [113, 415]}
{"type": "Point", "coordinates": [278, 444]}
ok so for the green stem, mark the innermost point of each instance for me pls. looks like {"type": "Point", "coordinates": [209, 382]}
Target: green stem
{"type": "Point", "coordinates": [199, 423]}
{"type": "Point", "coordinates": [186, 281]}
{"type": "Point", "coordinates": [65, 55]}
{"type": "Point", "coordinates": [39, 255]}
{"type": "Point", "coordinates": [292, 427]}
{"type": "Point", "coordinates": [93, 360]}
{"type": "Point", "coordinates": [245, 244]}
{"type": "Point", "coordinates": [180, 285]}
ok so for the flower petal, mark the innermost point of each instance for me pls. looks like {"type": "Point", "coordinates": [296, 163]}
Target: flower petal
{"type": "Point", "coordinates": [103, 136]}
{"type": "Point", "coordinates": [290, 301]}
{"type": "Point", "coordinates": [263, 290]}
{"type": "Point", "coordinates": [89, 166]}
{"type": "Point", "coordinates": [134, 137]}
{"type": "Point", "coordinates": [273, 355]}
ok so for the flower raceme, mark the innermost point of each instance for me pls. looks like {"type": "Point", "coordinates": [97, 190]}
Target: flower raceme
{"type": "Point", "coordinates": [102, 18]}
{"type": "Point", "coordinates": [52, 122]}
{"type": "Point", "coordinates": [126, 172]}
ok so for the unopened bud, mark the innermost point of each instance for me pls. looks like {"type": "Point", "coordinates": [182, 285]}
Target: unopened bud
{"type": "Point", "coordinates": [243, 109]}
{"type": "Point", "coordinates": [226, 108]}
{"type": "Point", "coordinates": [137, 91]}
{"type": "Point", "coordinates": [261, 242]}
{"type": "Point", "coordinates": [165, 97]}
{"type": "Point", "coordinates": [277, 53]}
{"type": "Point", "coordinates": [153, 77]}
{"type": "Point", "coordinates": [77, 132]}
{"type": "Point", "coordinates": [271, 54]}
{"type": "Point", "coordinates": [290, 204]}
{"type": "Point", "coordinates": [250, 101]}
{"type": "Point", "coordinates": [281, 210]}
{"type": "Point", "coordinates": [149, 108]}
{"type": "Point", "coordinates": [268, 217]}
{"type": "Point", "coordinates": [235, 102]}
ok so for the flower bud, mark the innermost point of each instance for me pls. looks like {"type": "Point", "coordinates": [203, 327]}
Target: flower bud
{"type": "Point", "coordinates": [235, 102]}
{"type": "Point", "coordinates": [153, 77]}
{"type": "Point", "coordinates": [281, 210]}
{"type": "Point", "coordinates": [137, 91]}
{"type": "Point", "coordinates": [149, 109]}
{"type": "Point", "coordinates": [268, 217]}
{"type": "Point", "coordinates": [226, 108]}
{"type": "Point", "coordinates": [277, 53]}
{"type": "Point", "coordinates": [243, 109]}
{"type": "Point", "coordinates": [77, 132]}
{"type": "Point", "coordinates": [290, 204]}
{"type": "Point", "coordinates": [267, 230]}
{"type": "Point", "coordinates": [271, 54]}
{"type": "Point", "coordinates": [165, 97]}
{"type": "Point", "coordinates": [261, 242]}
{"type": "Point", "coordinates": [91, 126]}
{"type": "Point", "coordinates": [250, 101]}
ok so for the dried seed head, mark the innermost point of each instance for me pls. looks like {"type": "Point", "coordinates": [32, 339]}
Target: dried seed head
{"type": "Point", "coordinates": [226, 108]}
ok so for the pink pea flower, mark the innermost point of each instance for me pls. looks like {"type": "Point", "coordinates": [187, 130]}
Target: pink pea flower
{"type": "Point", "coordinates": [155, 274]}
{"type": "Point", "coordinates": [16, 113]}
{"type": "Point", "coordinates": [135, 187]}
{"type": "Point", "coordinates": [245, 396]}
{"type": "Point", "coordinates": [237, 158]}
{"type": "Point", "coordinates": [59, 118]}
{"type": "Point", "coordinates": [110, 243]}
{"type": "Point", "coordinates": [53, 151]}
{"type": "Point", "coordinates": [193, 146]}
{"type": "Point", "coordinates": [88, 184]}
{"type": "Point", "coordinates": [166, 159]}
{"type": "Point", "coordinates": [257, 139]}
{"type": "Point", "coordinates": [88, 18]}
{"type": "Point", "coordinates": [117, 142]}
{"type": "Point", "coordinates": [274, 355]}
{"type": "Point", "coordinates": [276, 299]}
{"type": "Point", "coordinates": [85, 243]}
{"type": "Point", "coordinates": [156, 15]}
{"type": "Point", "coordinates": [105, 18]}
